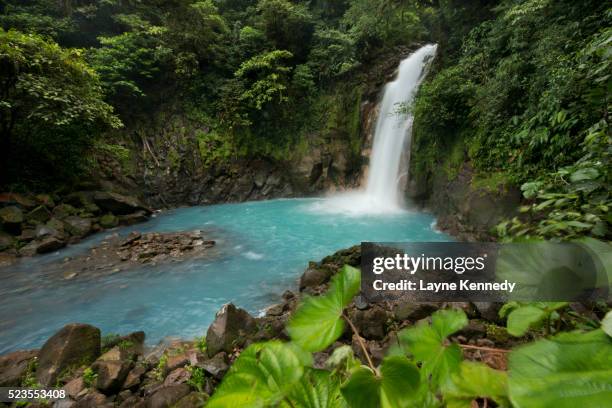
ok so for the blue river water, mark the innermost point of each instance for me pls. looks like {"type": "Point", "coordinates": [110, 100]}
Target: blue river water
{"type": "Point", "coordinates": [262, 249]}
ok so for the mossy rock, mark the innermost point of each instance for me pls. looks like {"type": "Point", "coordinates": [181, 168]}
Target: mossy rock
{"type": "Point", "coordinates": [64, 210]}
{"type": "Point", "coordinates": [11, 215]}
{"type": "Point", "coordinates": [39, 215]}
{"type": "Point", "coordinates": [109, 221]}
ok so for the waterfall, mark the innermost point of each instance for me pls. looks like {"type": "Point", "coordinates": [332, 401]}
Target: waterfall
{"type": "Point", "coordinates": [392, 137]}
{"type": "Point", "coordinates": [393, 130]}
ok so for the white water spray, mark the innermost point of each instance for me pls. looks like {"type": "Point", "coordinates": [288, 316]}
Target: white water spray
{"type": "Point", "coordinates": [391, 139]}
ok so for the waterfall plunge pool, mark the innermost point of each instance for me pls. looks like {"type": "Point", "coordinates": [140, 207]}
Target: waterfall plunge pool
{"type": "Point", "coordinates": [263, 248]}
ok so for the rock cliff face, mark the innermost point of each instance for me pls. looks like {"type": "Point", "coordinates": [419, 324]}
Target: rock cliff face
{"type": "Point", "coordinates": [166, 164]}
{"type": "Point", "coordinates": [464, 209]}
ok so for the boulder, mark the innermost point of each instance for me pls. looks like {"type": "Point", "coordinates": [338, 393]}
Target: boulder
{"type": "Point", "coordinates": [57, 225]}
{"type": "Point", "coordinates": [229, 329]}
{"type": "Point", "coordinates": [275, 310]}
{"type": "Point", "coordinates": [488, 310]}
{"type": "Point", "coordinates": [370, 322]}
{"type": "Point", "coordinates": [133, 402]}
{"type": "Point", "coordinates": [111, 374]}
{"type": "Point", "coordinates": [117, 203]}
{"type": "Point", "coordinates": [179, 376]}
{"type": "Point", "coordinates": [44, 245]}
{"type": "Point", "coordinates": [134, 376]}
{"type": "Point", "coordinates": [314, 276]}
{"type": "Point", "coordinates": [13, 367]}
{"type": "Point", "coordinates": [77, 226]}
{"type": "Point", "coordinates": [27, 235]}
{"type": "Point", "coordinates": [112, 369]}
{"type": "Point", "coordinates": [92, 399]}
{"type": "Point", "coordinates": [49, 244]}
{"type": "Point", "coordinates": [38, 215]}
{"type": "Point", "coordinates": [45, 231]}
{"type": "Point", "coordinates": [11, 218]}
{"type": "Point", "coordinates": [109, 221]}
{"type": "Point", "coordinates": [414, 310]}
{"type": "Point", "coordinates": [74, 387]}
{"type": "Point", "coordinates": [195, 399]}
{"type": "Point", "coordinates": [216, 366]}
{"type": "Point", "coordinates": [6, 241]}
{"type": "Point", "coordinates": [79, 198]}
{"type": "Point", "coordinates": [64, 210]}
{"type": "Point", "coordinates": [176, 361]}
{"type": "Point", "coordinates": [167, 396]}
{"type": "Point", "coordinates": [74, 345]}
{"type": "Point", "coordinates": [135, 218]}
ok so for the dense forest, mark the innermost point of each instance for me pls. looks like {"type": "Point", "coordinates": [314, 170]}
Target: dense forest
{"type": "Point", "coordinates": [520, 90]}
{"type": "Point", "coordinates": [256, 75]}
{"type": "Point", "coordinates": [517, 99]}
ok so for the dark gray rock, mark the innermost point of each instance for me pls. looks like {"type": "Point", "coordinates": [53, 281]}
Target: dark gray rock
{"type": "Point", "coordinates": [64, 210]}
{"type": "Point", "coordinates": [74, 387]}
{"type": "Point", "coordinates": [195, 399]}
{"type": "Point", "coordinates": [229, 329]}
{"type": "Point", "coordinates": [167, 396]}
{"type": "Point", "coordinates": [314, 276]}
{"type": "Point", "coordinates": [11, 218]}
{"type": "Point", "coordinates": [93, 399]}
{"type": "Point", "coordinates": [134, 376]}
{"type": "Point", "coordinates": [6, 241]}
{"type": "Point", "coordinates": [112, 369]}
{"type": "Point", "coordinates": [118, 203]}
{"type": "Point", "coordinates": [135, 218]}
{"type": "Point", "coordinates": [370, 322]}
{"type": "Point", "coordinates": [216, 366]}
{"type": "Point", "coordinates": [74, 345]}
{"type": "Point", "coordinates": [111, 375]}
{"type": "Point", "coordinates": [178, 376]}
{"type": "Point", "coordinates": [38, 215]}
{"type": "Point", "coordinates": [413, 310]}
{"type": "Point", "coordinates": [77, 226]}
{"type": "Point", "coordinates": [49, 244]}
{"type": "Point", "coordinates": [488, 310]}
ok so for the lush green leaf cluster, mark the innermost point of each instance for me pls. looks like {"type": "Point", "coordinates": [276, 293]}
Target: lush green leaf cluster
{"type": "Point", "coordinates": [52, 107]}
{"type": "Point", "coordinates": [426, 369]}
{"type": "Point", "coordinates": [528, 96]}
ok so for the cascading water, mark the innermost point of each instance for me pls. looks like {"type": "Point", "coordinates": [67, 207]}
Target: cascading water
{"type": "Point", "coordinates": [391, 138]}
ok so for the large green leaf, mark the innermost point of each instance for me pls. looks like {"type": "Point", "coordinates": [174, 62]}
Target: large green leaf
{"type": "Point", "coordinates": [400, 381]}
{"type": "Point", "coordinates": [426, 343]}
{"type": "Point", "coordinates": [317, 323]}
{"type": "Point", "coordinates": [262, 375]}
{"type": "Point", "coordinates": [476, 380]}
{"type": "Point", "coordinates": [317, 389]}
{"type": "Point", "coordinates": [526, 316]}
{"type": "Point", "coordinates": [570, 370]}
{"type": "Point", "coordinates": [396, 387]}
{"type": "Point", "coordinates": [522, 318]}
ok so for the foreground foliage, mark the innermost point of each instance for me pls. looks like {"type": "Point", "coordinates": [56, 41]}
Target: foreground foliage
{"type": "Point", "coordinates": [425, 369]}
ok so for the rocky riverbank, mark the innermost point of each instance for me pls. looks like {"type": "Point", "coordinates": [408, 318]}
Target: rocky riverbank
{"type": "Point", "coordinates": [120, 371]}
{"type": "Point", "coordinates": [37, 224]}
{"type": "Point", "coordinates": [121, 254]}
